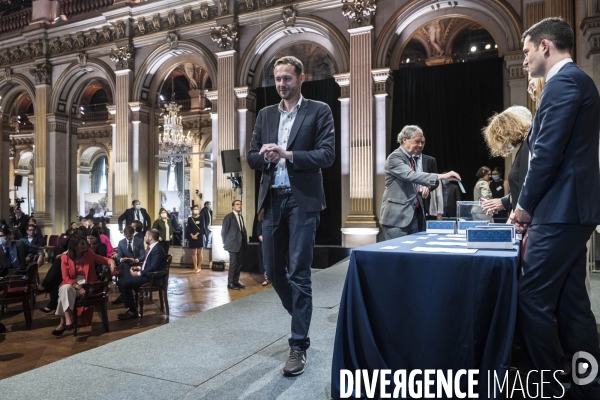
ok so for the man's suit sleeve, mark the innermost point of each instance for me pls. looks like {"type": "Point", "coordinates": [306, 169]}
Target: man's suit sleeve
{"type": "Point", "coordinates": [434, 170]}
{"type": "Point", "coordinates": [400, 170]}
{"type": "Point", "coordinates": [139, 251]}
{"type": "Point", "coordinates": [225, 228]}
{"type": "Point", "coordinates": [120, 251]}
{"type": "Point", "coordinates": [147, 220]}
{"type": "Point", "coordinates": [121, 218]}
{"type": "Point", "coordinates": [157, 260]}
{"type": "Point", "coordinates": [257, 161]}
{"type": "Point", "coordinates": [555, 118]}
{"type": "Point", "coordinates": [323, 154]}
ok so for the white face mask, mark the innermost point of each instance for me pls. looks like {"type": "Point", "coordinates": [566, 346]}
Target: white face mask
{"type": "Point", "coordinates": [2, 241]}
{"type": "Point", "coordinates": [163, 215]}
{"type": "Point", "coordinates": [196, 212]}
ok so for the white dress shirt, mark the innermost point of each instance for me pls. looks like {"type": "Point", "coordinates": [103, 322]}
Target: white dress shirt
{"type": "Point", "coordinates": [286, 121]}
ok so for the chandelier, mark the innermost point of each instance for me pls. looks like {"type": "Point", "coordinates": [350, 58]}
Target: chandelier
{"type": "Point", "coordinates": [172, 143]}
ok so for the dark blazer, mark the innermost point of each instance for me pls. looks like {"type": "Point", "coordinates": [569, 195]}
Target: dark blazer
{"type": "Point", "coordinates": [156, 261]}
{"type": "Point", "coordinates": [312, 141]}
{"type": "Point", "coordinates": [21, 254]}
{"type": "Point", "coordinates": [233, 237]}
{"type": "Point", "coordinates": [205, 220]}
{"type": "Point", "coordinates": [453, 197]}
{"type": "Point", "coordinates": [429, 165]}
{"type": "Point", "coordinates": [516, 177]}
{"type": "Point", "coordinates": [38, 240]}
{"type": "Point", "coordinates": [563, 184]}
{"type": "Point", "coordinates": [138, 249]}
{"type": "Point", "coordinates": [398, 203]}
{"type": "Point", "coordinates": [21, 223]}
{"type": "Point", "coordinates": [159, 225]}
{"type": "Point", "coordinates": [129, 217]}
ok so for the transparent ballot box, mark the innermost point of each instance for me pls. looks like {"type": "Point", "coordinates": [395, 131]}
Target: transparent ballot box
{"type": "Point", "coordinates": [471, 211]}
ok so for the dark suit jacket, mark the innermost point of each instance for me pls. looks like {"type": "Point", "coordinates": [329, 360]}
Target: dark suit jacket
{"type": "Point", "coordinates": [563, 183]}
{"type": "Point", "coordinates": [129, 217]}
{"type": "Point", "coordinates": [453, 197]}
{"type": "Point", "coordinates": [429, 165]}
{"type": "Point", "coordinates": [21, 254]}
{"type": "Point", "coordinates": [233, 238]}
{"type": "Point", "coordinates": [156, 261]}
{"type": "Point", "coordinates": [312, 141]}
{"type": "Point", "coordinates": [38, 240]}
{"type": "Point", "coordinates": [21, 223]}
{"type": "Point", "coordinates": [516, 177]}
{"type": "Point", "coordinates": [205, 220]}
{"type": "Point", "coordinates": [138, 249]}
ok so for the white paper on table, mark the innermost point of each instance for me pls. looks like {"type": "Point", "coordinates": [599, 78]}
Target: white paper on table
{"type": "Point", "coordinates": [446, 244]}
{"type": "Point", "coordinates": [422, 237]}
{"type": "Point", "coordinates": [463, 239]}
{"type": "Point", "coordinates": [443, 250]}
{"type": "Point", "coordinates": [432, 234]}
{"type": "Point", "coordinates": [410, 241]}
{"type": "Point", "coordinates": [389, 247]}
{"type": "Point", "coordinates": [460, 235]}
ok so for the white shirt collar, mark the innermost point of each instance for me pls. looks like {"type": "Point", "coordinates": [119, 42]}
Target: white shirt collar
{"type": "Point", "coordinates": [152, 245]}
{"type": "Point", "coordinates": [282, 109]}
{"type": "Point", "coordinates": [554, 70]}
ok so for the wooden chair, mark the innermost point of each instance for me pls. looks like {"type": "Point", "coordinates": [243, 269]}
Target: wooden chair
{"type": "Point", "coordinates": [151, 287]}
{"type": "Point", "coordinates": [16, 288]}
{"type": "Point", "coordinates": [96, 294]}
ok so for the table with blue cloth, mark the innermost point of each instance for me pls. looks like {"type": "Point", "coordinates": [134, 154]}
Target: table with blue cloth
{"type": "Point", "coordinates": [408, 310]}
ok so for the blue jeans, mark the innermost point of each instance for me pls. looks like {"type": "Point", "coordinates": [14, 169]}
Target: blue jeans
{"type": "Point", "coordinates": [287, 249]}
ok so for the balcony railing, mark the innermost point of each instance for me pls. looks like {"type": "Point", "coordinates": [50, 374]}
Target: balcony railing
{"type": "Point", "coordinates": [95, 116]}
{"type": "Point", "coordinates": [15, 22]}
{"type": "Point", "coordinates": [186, 104]}
{"type": "Point", "coordinates": [76, 7]}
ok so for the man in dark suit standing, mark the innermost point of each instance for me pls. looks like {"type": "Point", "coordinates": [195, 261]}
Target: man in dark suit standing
{"type": "Point", "coordinates": [425, 163]}
{"type": "Point", "coordinates": [155, 260]}
{"type": "Point", "coordinates": [20, 221]}
{"type": "Point", "coordinates": [234, 241]}
{"type": "Point", "coordinates": [205, 222]}
{"type": "Point", "coordinates": [135, 213]}
{"type": "Point", "coordinates": [558, 206]}
{"type": "Point", "coordinates": [130, 251]}
{"type": "Point", "coordinates": [402, 206]}
{"type": "Point", "coordinates": [292, 141]}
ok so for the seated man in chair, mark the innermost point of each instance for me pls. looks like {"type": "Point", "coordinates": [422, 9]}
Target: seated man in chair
{"type": "Point", "coordinates": [129, 252]}
{"type": "Point", "coordinates": [14, 253]}
{"type": "Point", "coordinates": [155, 260]}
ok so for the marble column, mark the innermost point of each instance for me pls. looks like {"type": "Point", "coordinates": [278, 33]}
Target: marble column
{"type": "Point", "coordinates": [517, 89]}
{"type": "Point", "coordinates": [58, 162]}
{"type": "Point", "coordinates": [343, 80]}
{"type": "Point", "coordinates": [42, 74]}
{"type": "Point", "coordinates": [140, 120]}
{"type": "Point", "coordinates": [589, 58]}
{"type": "Point", "coordinates": [360, 227]}
{"type": "Point", "coordinates": [5, 176]}
{"type": "Point", "coordinates": [246, 118]}
{"type": "Point", "coordinates": [123, 140]}
{"type": "Point", "coordinates": [72, 164]}
{"type": "Point", "coordinates": [112, 109]}
{"type": "Point", "coordinates": [196, 170]}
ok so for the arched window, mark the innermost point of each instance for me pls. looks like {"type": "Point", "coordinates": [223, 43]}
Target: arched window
{"type": "Point", "coordinates": [100, 175]}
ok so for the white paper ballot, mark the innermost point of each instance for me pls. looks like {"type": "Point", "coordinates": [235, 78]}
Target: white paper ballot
{"type": "Point", "coordinates": [432, 234]}
{"type": "Point", "coordinates": [422, 237]}
{"type": "Point", "coordinates": [447, 244]}
{"type": "Point", "coordinates": [462, 188]}
{"type": "Point", "coordinates": [389, 247]}
{"type": "Point", "coordinates": [443, 250]}
{"type": "Point", "coordinates": [410, 241]}
{"type": "Point", "coordinates": [458, 235]}
{"type": "Point", "coordinates": [462, 239]}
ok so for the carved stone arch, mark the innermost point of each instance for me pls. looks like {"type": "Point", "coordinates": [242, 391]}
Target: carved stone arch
{"type": "Point", "coordinates": [458, 30]}
{"type": "Point", "coordinates": [73, 80]}
{"type": "Point", "coordinates": [419, 39]}
{"type": "Point", "coordinates": [12, 97]}
{"type": "Point", "coordinates": [205, 144]}
{"type": "Point", "coordinates": [25, 160]}
{"type": "Point", "coordinates": [89, 152]}
{"type": "Point", "coordinates": [162, 61]}
{"type": "Point", "coordinates": [496, 16]}
{"type": "Point", "coordinates": [277, 35]}
{"type": "Point", "coordinates": [17, 84]}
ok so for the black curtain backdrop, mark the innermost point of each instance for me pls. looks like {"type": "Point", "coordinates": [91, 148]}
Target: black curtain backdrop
{"type": "Point", "coordinates": [328, 92]}
{"type": "Point", "coordinates": [451, 103]}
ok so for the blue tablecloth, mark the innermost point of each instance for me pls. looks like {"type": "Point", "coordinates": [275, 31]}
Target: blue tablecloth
{"type": "Point", "coordinates": [402, 309]}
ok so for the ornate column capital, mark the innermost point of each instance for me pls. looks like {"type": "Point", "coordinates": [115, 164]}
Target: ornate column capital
{"type": "Point", "coordinates": [225, 36]}
{"type": "Point", "coordinates": [140, 112]}
{"type": "Point", "coordinates": [513, 61]}
{"type": "Point", "coordinates": [122, 57]}
{"type": "Point", "coordinates": [590, 28]}
{"type": "Point", "coordinates": [213, 96]}
{"type": "Point", "coordinates": [288, 15]}
{"type": "Point", "coordinates": [343, 80]}
{"type": "Point", "coordinates": [57, 123]}
{"type": "Point", "coordinates": [42, 73]}
{"type": "Point", "coordinates": [112, 109]}
{"type": "Point", "coordinates": [382, 79]}
{"type": "Point", "coordinates": [359, 12]}
{"type": "Point", "coordinates": [245, 98]}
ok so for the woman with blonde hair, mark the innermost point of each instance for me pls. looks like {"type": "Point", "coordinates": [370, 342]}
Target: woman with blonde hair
{"type": "Point", "coordinates": [505, 133]}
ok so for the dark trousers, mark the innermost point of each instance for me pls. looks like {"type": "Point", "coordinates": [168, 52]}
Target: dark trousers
{"type": "Point", "coordinates": [52, 281]}
{"type": "Point", "coordinates": [165, 245]}
{"type": "Point", "coordinates": [289, 230]}
{"type": "Point", "coordinates": [124, 270]}
{"type": "Point", "coordinates": [235, 265]}
{"type": "Point", "coordinates": [416, 225]}
{"type": "Point", "coordinates": [127, 286]}
{"type": "Point", "coordinates": [554, 311]}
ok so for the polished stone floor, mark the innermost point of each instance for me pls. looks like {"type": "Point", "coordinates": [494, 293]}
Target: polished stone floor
{"type": "Point", "coordinates": [22, 350]}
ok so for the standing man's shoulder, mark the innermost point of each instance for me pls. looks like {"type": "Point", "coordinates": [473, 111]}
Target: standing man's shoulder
{"type": "Point", "coordinates": [315, 104]}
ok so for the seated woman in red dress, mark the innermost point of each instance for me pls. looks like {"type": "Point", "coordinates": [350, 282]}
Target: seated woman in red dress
{"type": "Point", "coordinates": [78, 267]}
